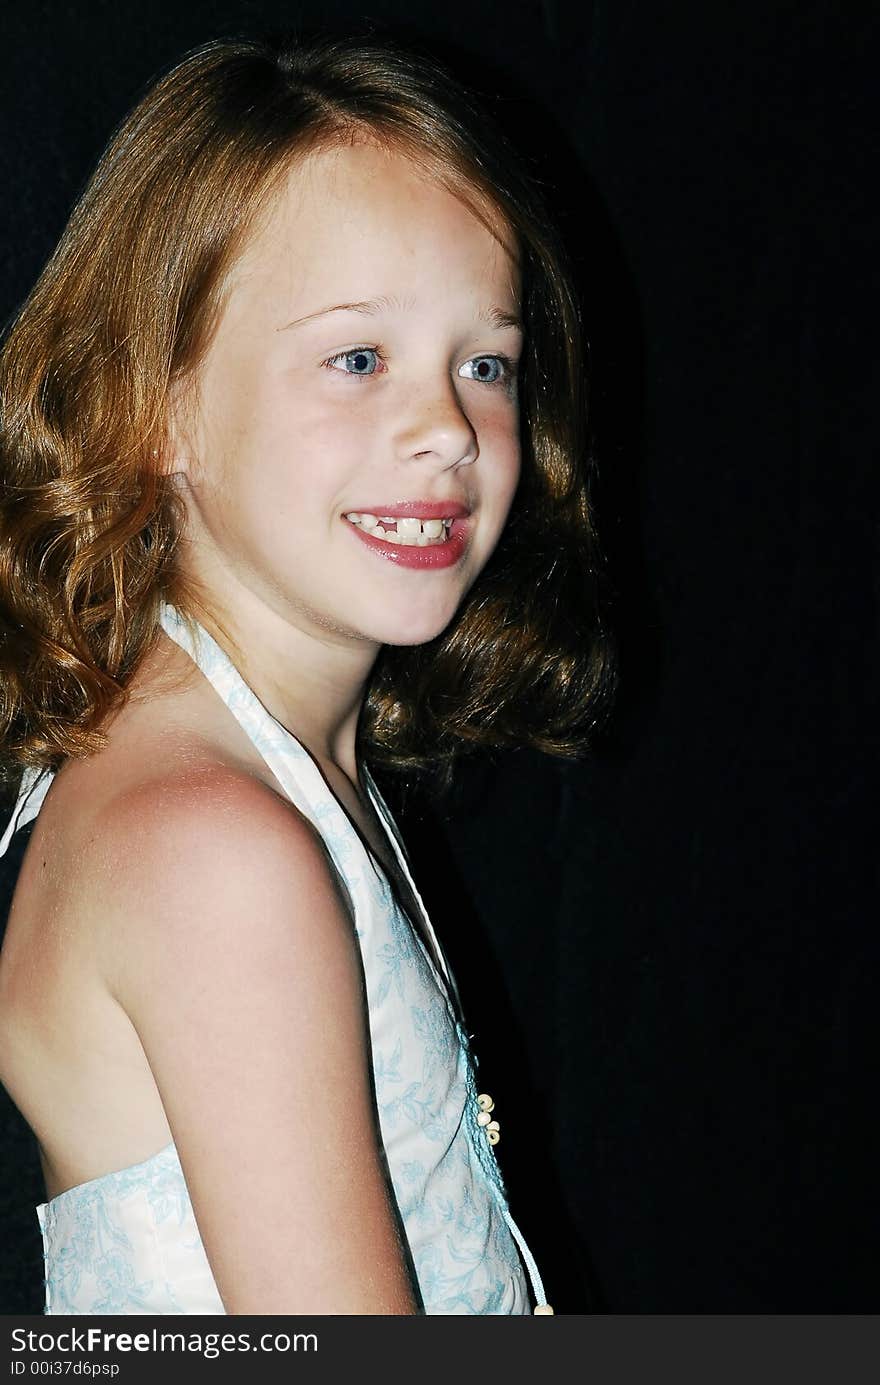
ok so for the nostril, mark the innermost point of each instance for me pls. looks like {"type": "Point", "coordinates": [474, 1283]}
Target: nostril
{"type": "Point", "coordinates": [469, 458]}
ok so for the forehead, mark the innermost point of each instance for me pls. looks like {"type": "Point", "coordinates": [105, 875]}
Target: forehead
{"type": "Point", "coordinates": [357, 219]}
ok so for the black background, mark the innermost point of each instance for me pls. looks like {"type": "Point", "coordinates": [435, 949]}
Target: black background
{"type": "Point", "coordinates": [668, 953]}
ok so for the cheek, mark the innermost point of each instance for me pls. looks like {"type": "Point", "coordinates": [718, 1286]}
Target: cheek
{"type": "Point", "coordinates": [500, 442]}
{"type": "Point", "coordinates": [279, 446]}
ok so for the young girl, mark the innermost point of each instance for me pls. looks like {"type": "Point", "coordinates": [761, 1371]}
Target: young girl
{"type": "Point", "coordinates": [292, 482]}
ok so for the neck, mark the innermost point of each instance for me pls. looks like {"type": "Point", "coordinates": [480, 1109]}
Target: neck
{"type": "Point", "coordinates": [311, 678]}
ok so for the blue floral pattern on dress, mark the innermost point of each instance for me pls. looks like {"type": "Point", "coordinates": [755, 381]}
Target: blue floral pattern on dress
{"type": "Point", "coordinates": [128, 1242]}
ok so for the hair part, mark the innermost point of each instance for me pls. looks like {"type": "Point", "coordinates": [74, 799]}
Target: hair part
{"type": "Point", "coordinates": [123, 313]}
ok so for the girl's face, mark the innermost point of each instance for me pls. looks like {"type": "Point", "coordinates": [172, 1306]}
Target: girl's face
{"type": "Point", "coordinates": [361, 380]}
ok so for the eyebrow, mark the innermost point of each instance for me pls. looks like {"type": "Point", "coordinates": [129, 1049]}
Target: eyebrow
{"type": "Point", "coordinates": [370, 307]}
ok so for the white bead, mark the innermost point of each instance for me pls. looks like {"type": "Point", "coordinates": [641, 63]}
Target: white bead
{"type": "Point", "coordinates": [485, 1102]}
{"type": "Point", "coordinates": [542, 1310]}
{"type": "Point", "coordinates": [483, 1118]}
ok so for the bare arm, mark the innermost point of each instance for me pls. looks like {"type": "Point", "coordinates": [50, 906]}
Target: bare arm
{"type": "Point", "coordinates": [232, 952]}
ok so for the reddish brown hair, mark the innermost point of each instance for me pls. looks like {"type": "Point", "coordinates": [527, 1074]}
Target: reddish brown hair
{"type": "Point", "coordinates": [89, 524]}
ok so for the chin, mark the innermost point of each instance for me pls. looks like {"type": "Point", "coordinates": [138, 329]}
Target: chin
{"type": "Point", "coordinates": [419, 628]}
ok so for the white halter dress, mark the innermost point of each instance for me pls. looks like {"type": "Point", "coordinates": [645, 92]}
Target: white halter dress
{"type": "Point", "coordinates": [128, 1243]}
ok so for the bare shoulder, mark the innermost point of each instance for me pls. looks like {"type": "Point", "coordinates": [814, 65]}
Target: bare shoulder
{"type": "Point", "coordinates": [204, 850]}
{"type": "Point", "coordinates": [191, 811]}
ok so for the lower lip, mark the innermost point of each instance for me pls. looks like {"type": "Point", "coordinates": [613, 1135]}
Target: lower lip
{"type": "Point", "coordinates": [432, 555]}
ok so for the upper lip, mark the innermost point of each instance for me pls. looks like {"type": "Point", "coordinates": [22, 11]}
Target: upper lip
{"type": "Point", "coordinates": [414, 509]}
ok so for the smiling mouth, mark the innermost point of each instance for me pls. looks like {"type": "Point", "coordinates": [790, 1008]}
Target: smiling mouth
{"type": "Point", "coordinates": [409, 532]}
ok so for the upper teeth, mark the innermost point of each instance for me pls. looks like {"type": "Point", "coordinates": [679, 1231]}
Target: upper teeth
{"type": "Point", "coordinates": [408, 529]}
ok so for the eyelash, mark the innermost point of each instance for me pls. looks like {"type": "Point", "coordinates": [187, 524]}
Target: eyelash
{"type": "Point", "coordinates": [506, 381]}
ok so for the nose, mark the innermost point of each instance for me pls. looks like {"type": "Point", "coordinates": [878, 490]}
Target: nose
{"type": "Point", "coordinates": [436, 429]}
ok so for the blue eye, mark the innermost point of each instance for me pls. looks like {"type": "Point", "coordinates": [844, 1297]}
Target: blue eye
{"type": "Point", "coordinates": [363, 360]}
{"type": "Point", "coordinates": [487, 369]}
